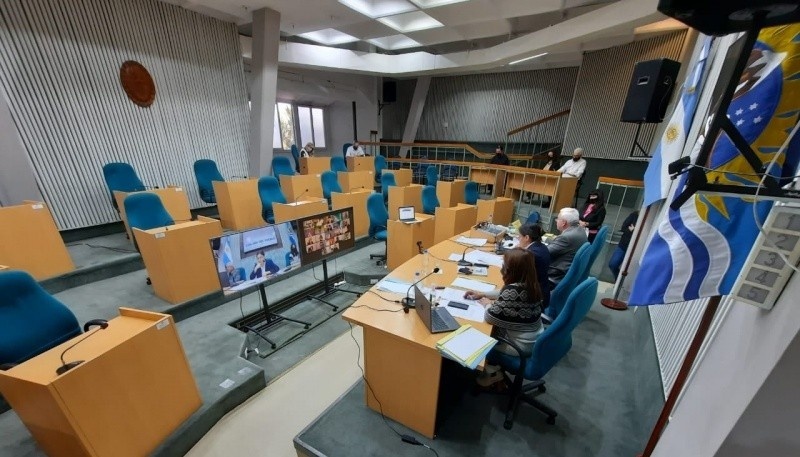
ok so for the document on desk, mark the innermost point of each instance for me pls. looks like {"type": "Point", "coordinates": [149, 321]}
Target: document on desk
{"type": "Point", "coordinates": [472, 284]}
{"type": "Point", "coordinates": [471, 241]}
{"type": "Point", "coordinates": [486, 258]}
{"type": "Point", "coordinates": [466, 346]}
{"type": "Point", "coordinates": [392, 285]}
{"type": "Point", "coordinates": [475, 312]}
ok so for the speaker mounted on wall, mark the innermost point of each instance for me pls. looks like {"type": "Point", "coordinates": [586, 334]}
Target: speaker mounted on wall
{"type": "Point", "coordinates": [650, 90]}
{"type": "Point", "coordinates": [721, 17]}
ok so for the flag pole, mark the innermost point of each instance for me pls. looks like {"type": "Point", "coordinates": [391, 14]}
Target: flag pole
{"type": "Point", "coordinates": [615, 303]}
{"type": "Point", "coordinates": [683, 374]}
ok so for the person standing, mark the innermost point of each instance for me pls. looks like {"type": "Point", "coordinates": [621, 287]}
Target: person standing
{"type": "Point", "coordinates": [574, 168]}
{"type": "Point", "coordinates": [628, 226]}
{"type": "Point", "coordinates": [563, 248]}
{"type": "Point", "coordinates": [593, 213]}
{"type": "Point", "coordinates": [355, 150]}
{"type": "Point", "coordinates": [499, 158]}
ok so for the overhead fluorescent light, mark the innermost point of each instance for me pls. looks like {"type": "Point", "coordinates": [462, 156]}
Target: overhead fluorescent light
{"type": "Point", "coordinates": [527, 58]}
{"type": "Point", "coordinates": [435, 3]}
{"type": "Point", "coordinates": [410, 22]}
{"type": "Point", "coordinates": [379, 8]}
{"type": "Point", "coordinates": [328, 37]}
{"type": "Point", "coordinates": [394, 42]}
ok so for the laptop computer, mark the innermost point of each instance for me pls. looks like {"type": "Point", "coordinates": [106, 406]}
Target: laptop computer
{"type": "Point", "coordinates": [407, 214]}
{"type": "Point", "coordinates": [438, 320]}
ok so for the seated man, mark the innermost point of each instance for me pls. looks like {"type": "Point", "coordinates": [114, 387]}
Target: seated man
{"type": "Point", "coordinates": [233, 275]}
{"type": "Point", "coordinates": [564, 246]}
{"type": "Point", "coordinates": [355, 150]}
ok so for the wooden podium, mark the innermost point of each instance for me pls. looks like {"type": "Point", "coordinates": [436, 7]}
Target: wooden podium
{"type": "Point", "coordinates": [178, 258]}
{"type": "Point", "coordinates": [501, 209]}
{"type": "Point", "coordinates": [239, 204]}
{"type": "Point", "coordinates": [404, 196]}
{"type": "Point", "coordinates": [29, 241]}
{"type": "Point", "coordinates": [358, 201]}
{"type": "Point", "coordinates": [307, 206]}
{"type": "Point", "coordinates": [489, 176]}
{"type": "Point", "coordinates": [402, 176]}
{"type": "Point", "coordinates": [314, 165]}
{"type": "Point", "coordinates": [551, 183]}
{"type": "Point", "coordinates": [174, 200]}
{"type": "Point", "coordinates": [452, 221]}
{"type": "Point", "coordinates": [301, 186]}
{"type": "Point", "coordinates": [133, 390]}
{"type": "Point", "coordinates": [356, 180]}
{"type": "Point", "coordinates": [450, 193]}
{"type": "Point", "coordinates": [403, 238]}
{"type": "Point", "coordinates": [361, 164]}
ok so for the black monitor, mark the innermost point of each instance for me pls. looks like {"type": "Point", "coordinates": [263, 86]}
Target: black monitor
{"type": "Point", "coordinates": [326, 234]}
{"type": "Point", "coordinates": [250, 257]}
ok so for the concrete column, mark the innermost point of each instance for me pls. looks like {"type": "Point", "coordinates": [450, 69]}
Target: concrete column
{"type": "Point", "coordinates": [17, 181]}
{"type": "Point", "coordinates": [415, 112]}
{"type": "Point", "coordinates": [266, 39]}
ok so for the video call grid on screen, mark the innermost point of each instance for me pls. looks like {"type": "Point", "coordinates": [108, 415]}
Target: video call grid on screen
{"type": "Point", "coordinates": [326, 234]}
{"type": "Point", "coordinates": [253, 256]}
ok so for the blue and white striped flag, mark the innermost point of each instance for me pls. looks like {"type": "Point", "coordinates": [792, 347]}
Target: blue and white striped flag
{"type": "Point", "coordinates": [227, 255]}
{"type": "Point", "coordinates": [670, 148]}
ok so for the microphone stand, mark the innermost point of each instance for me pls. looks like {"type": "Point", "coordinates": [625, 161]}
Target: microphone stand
{"type": "Point", "coordinates": [464, 262]}
{"type": "Point", "coordinates": [408, 302]}
{"type": "Point", "coordinates": [299, 197]}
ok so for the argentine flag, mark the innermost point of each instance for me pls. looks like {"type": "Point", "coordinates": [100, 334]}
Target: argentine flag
{"type": "Point", "coordinates": [227, 255]}
{"type": "Point", "coordinates": [656, 178]}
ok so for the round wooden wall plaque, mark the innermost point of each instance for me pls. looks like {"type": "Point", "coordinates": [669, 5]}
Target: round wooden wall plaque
{"type": "Point", "coordinates": [138, 83]}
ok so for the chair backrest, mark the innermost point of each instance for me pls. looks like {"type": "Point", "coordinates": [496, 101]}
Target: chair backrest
{"type": "Point", "coordinates": [122, 177]}
{"type": "Point", "coordinates": [449, 173]}
{"type": "Point", "coordinates": [206, 172]}
{"type": "Point", "coordinates": [431, 175]}
{"type": "Point", "coordinates": [533, 218]}
{"type": "Point", "coordinates": [145, 211]}
{"type": "Point", "coordinates": [597, 246]}
{"type": "Point", "coordinates": [269, 191]}
{"type": "Point", "coordinates": [471, 193]}
{"type": "Point", "coordinates": [281, 166]}
{"type": "Point", "coordinates": [429, 200]}
{"type": "Point", "coordinates": [558, 297]}
{"type": "Point", "coordinates": [329, 184]}
{"type": "Point", "coordinates": [241, 273]}
{"type": "Point", "coordinates": [556, 340]}
{"type": "Point", "coordinates": [387, 180]}
{"type": "Point", "coordinates": [380, 165]}
{"type": "Point", "coordinates": [296, 156]}
{"type": "Point", "coordinates": [338, 164]}
{"type": "Point", "coordinates": [378, 215]}
{"type": "Point", "coordinates": [31, 320]}
{"type": "Point", "coordinates": [344, 149]}
{"type": "Point", "coordinates": [288, 258]}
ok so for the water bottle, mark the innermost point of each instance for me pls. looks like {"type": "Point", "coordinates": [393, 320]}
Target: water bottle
{"type": "Point", "coordinates": [426, 262]}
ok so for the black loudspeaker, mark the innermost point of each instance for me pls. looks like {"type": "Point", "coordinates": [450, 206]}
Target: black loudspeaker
{"type": "Point", "coordinates": [389, 91]}
{"type": "Point", "coordinates": [651, 87]}
{"type": "Point", "coordinates": [721, 17]}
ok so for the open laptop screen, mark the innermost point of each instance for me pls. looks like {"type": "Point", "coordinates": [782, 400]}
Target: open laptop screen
{"type": "Point", "coordinates": [406, 213]}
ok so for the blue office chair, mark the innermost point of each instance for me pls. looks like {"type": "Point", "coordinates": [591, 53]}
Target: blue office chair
{"type": "Point", "coordinates": [597, 246]}
{"type": "Point", "coordinates": [296, 156]}
{"type": "Point", "coordinates": [378, 217]}
{"type": "Point", "coordinates": [281, 166]}
{"type": "Point", "coordinates": [206, 172]}
{"type": "Point", "coordinates": [471, 193]}
{"type": "Point", "coordinates": [380, 165]}
{"type": "Point", "coordinates": [242, 273]}
{"type": "Point", "coordinates": [533, 218]}
{"type": "Point", "coordinates": [551, 346]}
{"type": "Point", "coordinates": [574, 276]}
{"type": "Point", "coordinates": [387, 181]}
{"type": "Point", "coordinates": [429, 200]}
{"type": "Point", "coordinates": [329, 184]}
{"type": "Point", "coordinates": [288, 259]}
{"type": "Point", "coordinates": [344, 149]}
{"type": "Point", "coordinates": [338, 164]}
{"type": "Point", "coordinates": [269, 191]}
{"type": "Point", "coordinates": [145, 211]}
{"type": "Point", "coordinates": [431, 175]}
{"type": "Point", "coordinates": [121, 177]}
{"type": "Point", "coordinates": [31, 320]}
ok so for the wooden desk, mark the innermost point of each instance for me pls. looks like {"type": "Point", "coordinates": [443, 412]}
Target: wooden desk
{"type": "Point", "coordinates": [174, 200]}
{"type": "Point", "coordinates": [402, 239]}
{"type": "Point", "coordinates": [450, 221]}
{"type": "Point", "coordinates": [401, 362]}
{"type": "Point", "coordinates": [358, 201]}
{"type": "Point", "coordinates": [356, 180]}
{"type": "Point", "coordinates": [133, 390]}
{"type": "Point", "coordinates": [361, 164]}
{"type": "Point", "coordinates": [314, 165]}
{"type": "Point", "coordinates": [551, 183]}
{"type": "Point", "coordinates": [239, 204]}
{"type": "Point", "coordinates": [404, 196]}
{"type": "Point", "coordinates": [489, 176]}
{"type": "Point", "coordinates": [178, 258]}
{"type": "Point", "coordinates": [303, 186]}
{"type": "Point", "coordinates": [307, 206]}
{"type": "Point", "coordinates": [501, 210]}
{"type": "Point", "coordinates": [402, 176]}
{"type": "Point", "coordinates": [450, 193]}
{"type": "Point", "coordinates": [29, 241]}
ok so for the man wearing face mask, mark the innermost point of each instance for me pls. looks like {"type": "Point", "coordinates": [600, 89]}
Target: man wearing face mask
{"type": "Point", "coordinates": [574, 168]}
{"type": "Point", "coordinates": [499, 158]}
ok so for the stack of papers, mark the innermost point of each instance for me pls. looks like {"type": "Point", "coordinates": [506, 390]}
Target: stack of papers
{"type": "Point", "coordinates": [466, 346]}
{"type": "Point", "coordinates": [471, 241]}
{"type": "Point", "coordinates": [476, 311]}
{"type": "Point", "coordinates": [393, 285]}
{"type": "Point", "coordinates": [471, 284]}
{"type": "Point", "coordinates": [482, 257]}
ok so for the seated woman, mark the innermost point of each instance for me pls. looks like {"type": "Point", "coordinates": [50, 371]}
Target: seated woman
{"type": "Point", "coordinates": [530, 238]}
{"type": "Point", "coordinates": [516, 310]}
{"type": "Point", "coordinates": [593, 213]}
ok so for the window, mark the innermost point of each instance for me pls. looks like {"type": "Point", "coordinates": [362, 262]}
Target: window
{"type": "Point", "coordinates": [312, 125]}
{"type": "Point", "coordinates": [286, 122]}
{"type": "Point", "coordinates": [319, 127]}
{"type": "Point", "coordinates": [276, 133]}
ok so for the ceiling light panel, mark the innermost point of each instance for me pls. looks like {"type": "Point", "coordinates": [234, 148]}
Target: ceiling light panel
{"type": "Point", "coordinates": [328, 37]}
{"type": "Point", "coordinates": [435, 3]}
{"type": "Point", "coordinates": [379, 8]}
{"type": "Point", "coordinates": [411, 22]}
{"type": "Point", "coordinates": [394, 42]}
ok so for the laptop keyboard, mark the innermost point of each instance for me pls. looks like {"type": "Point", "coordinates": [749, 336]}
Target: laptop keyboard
{"type": "Point", "coordinates": [442, 320]}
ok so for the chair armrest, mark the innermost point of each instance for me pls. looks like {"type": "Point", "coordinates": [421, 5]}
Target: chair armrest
{"type": "Point", "coordinates": [102, 323]}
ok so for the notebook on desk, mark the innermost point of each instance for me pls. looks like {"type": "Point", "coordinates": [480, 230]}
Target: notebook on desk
{"type": "Point", "coordinates": [438, 320]}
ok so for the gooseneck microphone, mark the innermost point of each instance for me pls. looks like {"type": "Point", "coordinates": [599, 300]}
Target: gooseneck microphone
{"type": "Point", "coordinates": [65, 367]}
{"type": "Point", "coordinates": [300, 196]}
{"type": "Point", "coordinates": [408, 301]}
{"type": "Point", "coordinates": [464, 262]}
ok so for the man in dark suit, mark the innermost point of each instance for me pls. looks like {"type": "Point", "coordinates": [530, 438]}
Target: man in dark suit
{"type": "Point", "coordinates": [564, 246]}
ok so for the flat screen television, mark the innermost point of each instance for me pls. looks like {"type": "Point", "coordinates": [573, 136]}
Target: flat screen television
{"type": "Point", "coordinates": [326, 234]}
{"type": "Point", "coordinates": [250, 257]}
